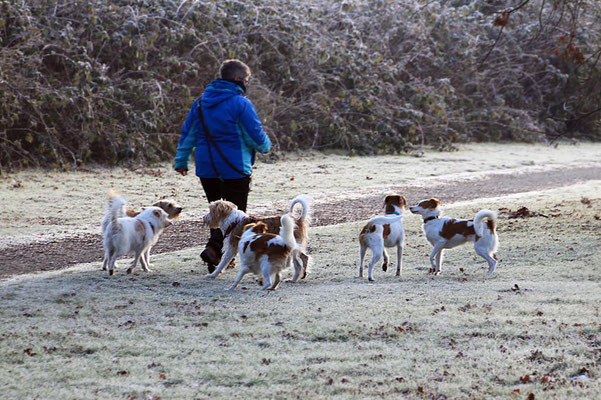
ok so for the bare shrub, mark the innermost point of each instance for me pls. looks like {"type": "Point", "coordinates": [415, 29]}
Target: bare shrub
{"type": "Point", "coordinates": [111, 81]}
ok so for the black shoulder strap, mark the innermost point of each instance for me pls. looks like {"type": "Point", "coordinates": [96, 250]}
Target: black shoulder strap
{"type": "Point", "coordinates": [212, 142]}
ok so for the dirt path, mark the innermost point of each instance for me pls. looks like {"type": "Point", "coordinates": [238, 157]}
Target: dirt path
{"type": "Point", "coordinates": [57, 254]}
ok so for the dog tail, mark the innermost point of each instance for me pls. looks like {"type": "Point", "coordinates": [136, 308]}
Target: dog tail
{"type": "Point", "coordinates": [116, 207]}
{"type": "Point", "coordinates": [382, 220]}
{"type": "Point", "coordinates": [307, 206]}
{"type": "Point", "coordinates": [287, 230]}
{"type": "Point", "coordinates": [481, 227]}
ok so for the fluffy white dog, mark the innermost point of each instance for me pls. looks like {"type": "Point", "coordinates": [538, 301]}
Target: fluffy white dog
{"type": "Point", "coordinates": [131, 235]}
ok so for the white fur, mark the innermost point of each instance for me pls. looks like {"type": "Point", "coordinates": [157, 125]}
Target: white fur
{"type": "Point", "coordinates": [377, 244]}
{"type": "Point", "coordinates": [122, 238]}
{"type": "Point", "coordinates": [486, 246]}
{"type": "Point", "coordinates": [250, 262]}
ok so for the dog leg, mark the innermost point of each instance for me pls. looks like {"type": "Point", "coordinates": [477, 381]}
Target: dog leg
{"type": "Point", "coordinates": [134, 262]}
{"type": "Point", "coordinates": [112, 261]}
{"type": "Point", "coordinates": [377, 249]}
{"type": "Point", "coordinates": [305, 259]}
{"type": "Point", "coordinates": [362, 250]}
{"type": "Point", "coordinates": [399, 255]}
{"type": "Point", "coordinates": [266, 270]}
{"type": "Point", "coordinates": [435, 268]}
{"type": "Point", "coordinates": [386, 259]}
{"type": "Point", "coordinates": [439, 258]}
{"type": "Point", "coordinates": [228, 255]}
{"type": "Point", "coordinates": [243, 271]}
{"type": "Point", "coordinates": [276, 281]}
{"type": "Point", "coordinates": [484, 253]}
{"type": "Point", "coordinates": [147, 259]}
{"type": "Point", "coordinates": [298, 268]}
{"type": "Point", "coordinates": [376, 257]}
{"type": "Point", "coordinates": [144, 261]}
{"type": "Point", "coordinates": [105, 262]}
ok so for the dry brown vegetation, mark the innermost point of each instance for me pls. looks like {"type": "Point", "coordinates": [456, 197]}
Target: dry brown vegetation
{"type": "Point", "coordinates": [111, 81]}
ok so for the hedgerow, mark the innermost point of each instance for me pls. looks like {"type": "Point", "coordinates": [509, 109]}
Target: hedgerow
{"type": "Point", "coordinates": [112, 81]}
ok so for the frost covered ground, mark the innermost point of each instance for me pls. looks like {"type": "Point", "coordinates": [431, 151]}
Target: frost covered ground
{"type": "Point", "coordinates": [533, 327]}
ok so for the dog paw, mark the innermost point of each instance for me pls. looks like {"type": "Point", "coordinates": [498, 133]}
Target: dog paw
{"type": "Point", "coordinates": [210, 276]}
{"type": "Point", "coordinates": [111, 272]}
{"type": "Point", "coordinates": [384, 267]}
{"type": "Point", "coordinates": [371, 279]}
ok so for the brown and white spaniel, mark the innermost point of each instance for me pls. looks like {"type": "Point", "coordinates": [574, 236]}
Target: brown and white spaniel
{"type": "Point", "coordinates": [446, 233]}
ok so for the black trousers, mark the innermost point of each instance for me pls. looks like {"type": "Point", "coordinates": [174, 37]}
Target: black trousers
{"type": "Point", "coordinates": [234, 190]}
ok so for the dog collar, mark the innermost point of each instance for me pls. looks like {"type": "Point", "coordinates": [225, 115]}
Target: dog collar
{"type": "Point", "coordinates": [152, 227]}
{"type": "Point", "coordinates": [430, 218]}
{"type": "Point", "coordinates": [393, 212]}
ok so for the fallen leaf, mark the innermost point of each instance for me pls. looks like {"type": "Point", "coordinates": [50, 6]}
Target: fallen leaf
{"type": "Point", "coordinates": [525, 378]}
{"type": "Point", "coordinates": [122, 372]}
{"type": "Point", "coordinates": [29, 352]}
{"type": "Point", "coordinates": [162, 376]}
{"type": "Point", "coordinates": [420, 389]}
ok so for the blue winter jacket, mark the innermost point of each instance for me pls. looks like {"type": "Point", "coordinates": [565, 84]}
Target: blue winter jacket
{"type": "Point", "coordinates": [233, 124]}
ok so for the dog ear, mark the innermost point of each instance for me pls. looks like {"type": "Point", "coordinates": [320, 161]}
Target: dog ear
{"type": "Point", "coordinates": [261, 227]}
{"type": "Point", "coordinates": [248, 226]}
{"type": "Point", "coordinates": [402, 201]}
{"type": "Point", "coordinates": [157, 213]}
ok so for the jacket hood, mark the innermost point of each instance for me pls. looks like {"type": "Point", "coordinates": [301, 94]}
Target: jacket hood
{"type": "Point", "coordinates": [218, 91]}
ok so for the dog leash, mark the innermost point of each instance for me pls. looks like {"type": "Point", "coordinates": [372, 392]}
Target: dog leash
{"type": "Point", "coordinates": [212, 142]}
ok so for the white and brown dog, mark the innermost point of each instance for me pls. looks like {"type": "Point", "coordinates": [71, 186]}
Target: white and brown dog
{"type": "Point", "coordinates": [266, 253]}
{"type": "Point", "coordinates": [171, 207]}
{"type": "Point", "coordinates": [131, 235]}
{"type": "Point", "coordinates": [226, 216]}
{"type": "Point", "coordinates": [382, 232]}
{"type": "Point", "coordinates": [446, 233]}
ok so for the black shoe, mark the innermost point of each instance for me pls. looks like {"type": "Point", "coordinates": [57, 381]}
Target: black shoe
{"type": "Point", "coordinates": [211, 257]}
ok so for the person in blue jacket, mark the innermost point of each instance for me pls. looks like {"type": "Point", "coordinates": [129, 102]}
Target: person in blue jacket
{"type": "Point", "coordinates": [224, 155]}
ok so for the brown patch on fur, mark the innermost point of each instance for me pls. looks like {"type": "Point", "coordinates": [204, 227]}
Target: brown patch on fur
{"type": "Point", "coordinates": [453, 227]}
{"type": "Point", "coordinates": [132, 213]}
{"type": "Point", "coordinates": [491, 225]}
{"type": "Point", "coordinates": [395, 200]}
{"type": "Point", "coordinates": [386, 230]}
{"type": "Point", "coordinates": [274, 252]}
{"type": "Point", "coordinates": [140, 228]}
{"type": "Point", "coordinates": [432, 203]}
{"type": "Point", "coordinates": [368, 228]}
{"type": "Point", "coordinates": [273, 226]}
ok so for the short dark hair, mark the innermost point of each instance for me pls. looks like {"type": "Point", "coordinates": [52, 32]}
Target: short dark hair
{"type": "Point", "coordinates": [230, 69]}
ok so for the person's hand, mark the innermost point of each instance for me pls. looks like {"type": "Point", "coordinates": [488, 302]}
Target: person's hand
{"type": "Point", "coordinates": [182, 171]}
